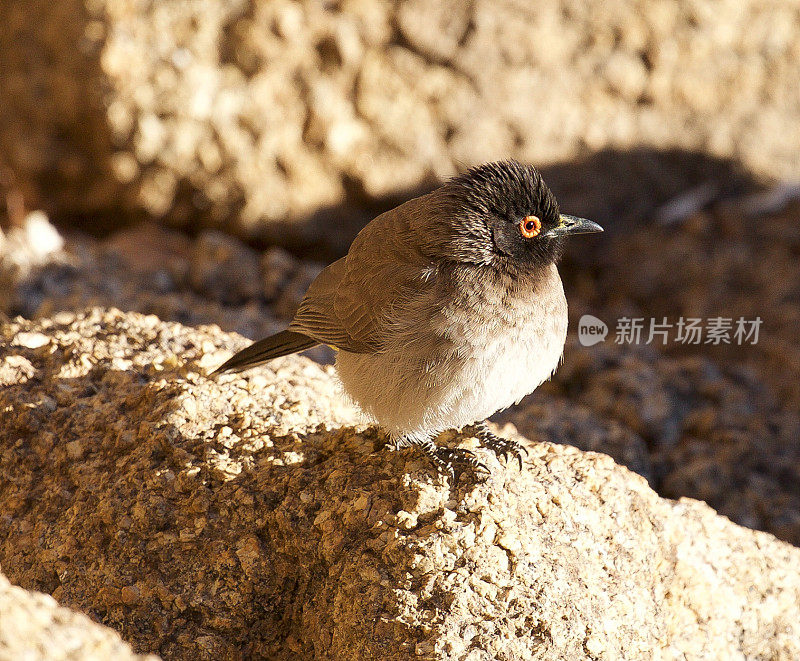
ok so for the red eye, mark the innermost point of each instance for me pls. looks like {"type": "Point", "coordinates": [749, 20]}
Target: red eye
{"type": "Point", "coordinates": [530, 226]}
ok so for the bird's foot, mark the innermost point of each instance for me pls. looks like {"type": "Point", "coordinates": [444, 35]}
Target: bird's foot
{"type": "Point", "coordinates": [447, 461]}
{"type": "Point", "coordinates": [452, 460]}
{"type": "Point", "coordinates": [502, 447]}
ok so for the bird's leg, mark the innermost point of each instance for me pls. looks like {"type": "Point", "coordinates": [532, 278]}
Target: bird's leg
{"type": "Point", "coordinates": [500, 446]}
{"type": "Point", "coordinates": [444, 460]}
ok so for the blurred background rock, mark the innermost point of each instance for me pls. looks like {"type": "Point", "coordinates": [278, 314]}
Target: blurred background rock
{"type": "Point", "coordinates": [293, 122]}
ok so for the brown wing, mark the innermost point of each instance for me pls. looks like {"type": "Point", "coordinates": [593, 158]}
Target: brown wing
{"type": "Point", "coordinates": [350, 304]}
{"type": "Point", "coordinates": [317, 317]}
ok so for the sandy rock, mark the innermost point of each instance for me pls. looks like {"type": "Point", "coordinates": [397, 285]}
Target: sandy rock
{"type": "Point", "coordinates": [720, 421]}
{"type": "Point", "coordinates": [255, 115]}
{"type": "Point", "coordinates": [223, 268]}
{"type": "Point", "coordinates": [153, 270]}
{"type": "Point", "coordinates": [213, 278]}
{"type": "Point", "coordinates": [543, 415]}
{"type": "Point", "coordinates": [253, 518]}
{"type": "Point", "coordinates": [34, 627]}
{"type": "Point", "coordinates": [690, 425]}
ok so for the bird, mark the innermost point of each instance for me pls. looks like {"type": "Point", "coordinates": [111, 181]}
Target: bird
{"type": "Point", "coordinates": [445, 310]}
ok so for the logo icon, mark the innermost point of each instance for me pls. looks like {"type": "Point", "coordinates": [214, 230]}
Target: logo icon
{"type": "Point", "coordinates": [591, 330]}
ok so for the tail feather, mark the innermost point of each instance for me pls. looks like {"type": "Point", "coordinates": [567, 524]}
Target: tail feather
{"type": "Point", "coordinates": [275, 346]}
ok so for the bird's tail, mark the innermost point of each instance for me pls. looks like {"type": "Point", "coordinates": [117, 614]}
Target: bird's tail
{"type": "Point", "coordinates": [274, 346]}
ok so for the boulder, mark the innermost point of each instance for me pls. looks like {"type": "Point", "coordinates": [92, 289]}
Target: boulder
{"type": "Point", "coordinates": [255, 516]}
{"type": "Point", "coordinates": [258, 115]}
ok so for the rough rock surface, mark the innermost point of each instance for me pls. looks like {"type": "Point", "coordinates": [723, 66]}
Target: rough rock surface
{"type": "Point", "coordinates": [252, 113]}
{"type": "Point", "coordinates": [33, 627]}
{"type": "Point", "coordinates": [250, 518]}
{"type": "Point", "coordinates": [722, 261]}
{"type": "Point", "coordinates": [692, 426]}
{"type": "Point", "coordinates": [721, 421]}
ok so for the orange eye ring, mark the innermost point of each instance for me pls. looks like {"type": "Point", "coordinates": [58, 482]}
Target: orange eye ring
{"type": "Point", "coordinates": [530, 226]}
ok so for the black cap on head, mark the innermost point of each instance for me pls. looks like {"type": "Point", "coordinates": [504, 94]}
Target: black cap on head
{"type": "Point", "coordinates": [506, 189]}
{"type": "Point", "coordinates": [490, 206]}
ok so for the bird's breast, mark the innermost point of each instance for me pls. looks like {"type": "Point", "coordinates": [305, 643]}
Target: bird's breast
{"type": "Point", "coordinates": [513, 341]}
{"type": "Point", "coordinates": [458, 358]}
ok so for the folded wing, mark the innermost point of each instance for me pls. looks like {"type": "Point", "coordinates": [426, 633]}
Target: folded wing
{"type": "Point", "coordinates": [352, 303]}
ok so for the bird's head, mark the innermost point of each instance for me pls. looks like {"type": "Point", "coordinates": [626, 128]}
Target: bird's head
{"type": "Point", "coordinates": [504, 213]}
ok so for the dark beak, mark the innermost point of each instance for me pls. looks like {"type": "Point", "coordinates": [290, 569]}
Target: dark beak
{"type": "Point", "coordinates": [573, 225]}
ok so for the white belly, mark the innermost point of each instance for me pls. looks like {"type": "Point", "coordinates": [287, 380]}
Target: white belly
{"type": "Point", "coordinates": [488, 360]}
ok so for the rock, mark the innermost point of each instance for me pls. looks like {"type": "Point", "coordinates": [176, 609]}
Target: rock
{"type": "Point", "coordinates": [149, 269]}
{"type": "Point", "coordinates": [42, 238]}
{"type": "Point", "coordinates": [285, 280]}
{"type": "Point", "coordinates": [30, 340]}
{"type": "Point", "coordinates": [720, 421]}
{"type": "Point", "coordinates": [277, 265]}
{"type": "Point", "coordinates": [749, 269]}
{"type": "Point", "coordinates": [34, 243]}
{"type": "Point", "coordinates": [34, 627]}
{"type": "Point", "coordinates": [713, 423]}
{"type": "Point", "coordinates": [213, 278]}
{"type": "Point", "coordinates": [252, 517]}
{"type": "Point", "coordinates": [256, 116]}
{"type": "Point", "coordinates": [545, 416]}
{"type": "Point", "coordinates": [691, 425]}
{"type": "Point", "coordinates": [224, 269]}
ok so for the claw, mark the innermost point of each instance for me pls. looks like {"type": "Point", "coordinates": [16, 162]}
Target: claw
{"type": "Point", "coordinates": [502, 447]}
{"type": "Point", "coordinates": [451, 458]}
{"type": "Point", "coordinates": [445, 460]}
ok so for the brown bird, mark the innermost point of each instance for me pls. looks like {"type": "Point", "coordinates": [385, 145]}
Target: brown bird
{"type": "Point", "coordinates": [445, 310]}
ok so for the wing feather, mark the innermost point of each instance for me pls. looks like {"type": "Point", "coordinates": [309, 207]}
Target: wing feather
{"type": "Point", "coordinates": [350, 305]}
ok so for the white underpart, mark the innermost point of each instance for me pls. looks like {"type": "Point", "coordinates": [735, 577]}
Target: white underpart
{"type": "Point", "coordinates": [462, 363]}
